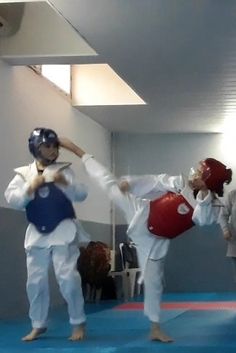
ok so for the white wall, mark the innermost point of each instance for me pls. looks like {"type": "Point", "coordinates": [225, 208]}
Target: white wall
{"type": "Point", "coordinates": [27, 101]}
{"type": "Point", "coordinates": [170, 153]}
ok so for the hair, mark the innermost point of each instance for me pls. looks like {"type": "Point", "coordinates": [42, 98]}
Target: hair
{"type": "Point", "coordinates": [94, 263]}
{"type": "Point", "coordinates": [220, 190]}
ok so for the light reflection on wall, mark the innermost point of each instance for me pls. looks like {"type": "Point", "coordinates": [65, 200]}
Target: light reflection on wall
{"type": "Point", "coordinates": [228, 144]}
{"type": "Point", "coordinates": [229, 135]}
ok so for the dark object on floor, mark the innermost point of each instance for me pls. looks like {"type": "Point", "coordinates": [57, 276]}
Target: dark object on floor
{"type": "Point", "coordinates": [94, 267]}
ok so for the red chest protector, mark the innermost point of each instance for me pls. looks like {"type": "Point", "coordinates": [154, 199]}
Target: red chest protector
{"type": "Point", "coordinates": [170, 215]}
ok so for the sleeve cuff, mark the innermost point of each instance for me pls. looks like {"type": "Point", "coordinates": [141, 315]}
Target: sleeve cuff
{"type": "Point", "coordinates": [86, 156]}
{"type": "Point", "coordinates": [27, 197]}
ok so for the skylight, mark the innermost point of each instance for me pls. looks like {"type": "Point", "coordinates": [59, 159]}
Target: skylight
{"type": "Point", "coordinates": [60, 75]}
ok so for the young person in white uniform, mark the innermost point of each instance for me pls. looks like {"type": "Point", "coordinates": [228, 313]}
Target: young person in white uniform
{"type": "Point", "coordinates": [175, 206]}
{"type": "Point", "coordinates": [228, 226]}
{"type": "Point", "coordinates": [46, 190]}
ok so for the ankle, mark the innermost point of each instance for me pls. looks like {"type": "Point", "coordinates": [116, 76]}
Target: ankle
{"type": "Point", "coordinates": [155, 325]}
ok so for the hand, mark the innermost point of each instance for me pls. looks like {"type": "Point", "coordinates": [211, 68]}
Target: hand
{"type": "Point", "coordinates": [70, 146]}
{"type": "Point", "coordinates": [124, 186]}
{"type": "Point", "coordinates": [59, 178]}
{"type": "Point", "coordinates": [227, 235]}
{"type": "Point", "coordinates": [37, 182]}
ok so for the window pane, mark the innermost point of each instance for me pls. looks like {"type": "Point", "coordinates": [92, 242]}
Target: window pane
{"type": "Point", "coordinates": [59, 75]}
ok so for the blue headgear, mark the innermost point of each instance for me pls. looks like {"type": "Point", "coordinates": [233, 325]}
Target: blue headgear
{"type": "Point", "coordinates": [39, 136]}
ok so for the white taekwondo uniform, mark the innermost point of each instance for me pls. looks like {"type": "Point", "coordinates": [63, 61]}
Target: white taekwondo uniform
{"type": "Point", "coordinates": [59, 246]}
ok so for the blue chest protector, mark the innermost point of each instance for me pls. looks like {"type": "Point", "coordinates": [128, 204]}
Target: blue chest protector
{"type": "Point", "coordinates": [49, 207]}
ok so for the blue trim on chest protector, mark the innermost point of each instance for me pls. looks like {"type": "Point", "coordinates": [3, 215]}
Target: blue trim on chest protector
{"type": "Point", "coordinates": [49, 207]}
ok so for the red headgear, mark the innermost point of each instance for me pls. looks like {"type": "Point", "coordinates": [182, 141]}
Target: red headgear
{"type": "Point", "coordinates": [215, 174]}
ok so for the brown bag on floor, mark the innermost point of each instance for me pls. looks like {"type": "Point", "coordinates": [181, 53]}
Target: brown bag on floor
{"type": "Point", "coordinates": [94, 263]}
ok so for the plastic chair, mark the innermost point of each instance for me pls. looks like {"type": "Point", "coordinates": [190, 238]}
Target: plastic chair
{"type": "Point", "coordinates": [130, 268]}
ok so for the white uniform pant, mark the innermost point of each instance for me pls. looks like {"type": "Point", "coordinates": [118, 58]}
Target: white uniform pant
{"type": "Point", "coordinates": [64, 259]}
{"type": "Point", "coordinates": [153, 270]}
{"type": "Point", "coordinates": [153, 287]}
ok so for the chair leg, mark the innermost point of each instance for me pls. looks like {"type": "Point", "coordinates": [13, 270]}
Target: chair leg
{"type": "Point", "coordinates": [138, 288]}
{"type": "Point", "coordinates": [88, 292]}
{"type": "Point", "coordinates": [132, 279]}
{"type": "Point", "coordinates": [125, 286]}
{"type": "Point", "coordinates": [98, 295]}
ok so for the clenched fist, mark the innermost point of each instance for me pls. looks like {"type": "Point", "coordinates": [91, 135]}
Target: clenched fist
{"type": "Point", "coordinates": [59, 178]}
{"type": "Point", "coordinates": [36, 183]}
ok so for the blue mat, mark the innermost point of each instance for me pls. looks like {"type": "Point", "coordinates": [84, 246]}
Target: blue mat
{"type": "Point", "coordinates": [116, 331]}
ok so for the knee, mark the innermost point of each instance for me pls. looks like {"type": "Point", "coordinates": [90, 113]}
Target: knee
{"type": "Point", "coordinates": [37, 285]}
{"type": "Point", "coordinates": [71, 284]}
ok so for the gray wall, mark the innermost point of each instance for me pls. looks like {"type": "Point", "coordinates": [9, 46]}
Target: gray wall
{"type": "Point", "coordinates": [196, 262]}
{"type": "Point", "coordinates": [12, 263]}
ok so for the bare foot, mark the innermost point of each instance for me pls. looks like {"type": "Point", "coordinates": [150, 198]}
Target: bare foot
{"type": "Point", "coordinates": [78, 333]}
{"type": "Point", "coordinates": [34, 334]}
{"type": "Point", "coordinates": [157, 334]}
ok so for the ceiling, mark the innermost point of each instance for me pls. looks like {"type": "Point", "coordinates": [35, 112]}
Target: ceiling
{"type": "Point", "coordinates": [178, 55]}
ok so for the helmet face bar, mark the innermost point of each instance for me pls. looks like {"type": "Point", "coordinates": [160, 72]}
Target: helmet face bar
{"type": "Point", "coordinates": [41, 136]}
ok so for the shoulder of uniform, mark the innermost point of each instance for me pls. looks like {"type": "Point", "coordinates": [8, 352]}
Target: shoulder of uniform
{"type": "Point", "coordinates": [57, 166]}
{"type": "Point", "coordinates": [22, 171]}
{"type": "Point", "coordinates": [63, 164]}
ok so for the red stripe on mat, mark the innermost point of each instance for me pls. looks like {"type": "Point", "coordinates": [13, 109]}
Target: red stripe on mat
{"type": "Point", "coordinates": [183, 305]}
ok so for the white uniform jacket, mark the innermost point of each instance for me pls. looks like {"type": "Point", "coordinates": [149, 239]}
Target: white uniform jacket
{"type": "Point", "coordinates": [228, 221]}
{"type": "Point", "coordinates": [16, 195]}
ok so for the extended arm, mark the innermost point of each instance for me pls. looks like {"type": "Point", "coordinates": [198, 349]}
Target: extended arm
{"type": "Point", "coordinates": [139, 185]}
{"type": "Point", "coordinates": [151, 186]}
